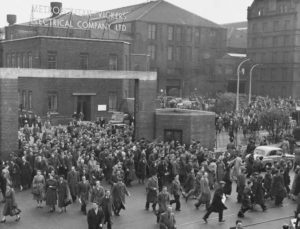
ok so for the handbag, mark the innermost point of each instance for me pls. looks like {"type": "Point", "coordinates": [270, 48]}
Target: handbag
{"type": "Point", "coordinates": [15, 211]}
{"type": "Point", "coordinates": [35, 191]}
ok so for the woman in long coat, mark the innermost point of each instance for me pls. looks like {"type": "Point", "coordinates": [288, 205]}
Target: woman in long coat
{"type": "Point", "coordinates": [10, 206]}
{"type": "Point", "coordinates": [141, 169]}
{"type": "Point", "coordinates": [228, 183]}
{"type": "Point", "coordinates": [118, 193]}
{"type": "Point", "coordinates": [38, 188]}
{"type": "Point", "coordinates": [205, 194]}
{"type": "Point", "coordinates": [63, 194]}
{"type": "Point", "coordinates": [220, 169]}
{"type": "Point", "coordinates": [51, 192]}
{"type": "Point", "coordinates": [278, 189]}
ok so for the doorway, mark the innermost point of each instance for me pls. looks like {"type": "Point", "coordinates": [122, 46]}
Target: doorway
{"type": "Point", "coordinates": [84, 106]}
{"type": "Point", "coordinates": [170, 135]}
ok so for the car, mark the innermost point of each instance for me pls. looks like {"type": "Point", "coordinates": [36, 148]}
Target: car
{"type": "Point", "coordinates": [270, 154]}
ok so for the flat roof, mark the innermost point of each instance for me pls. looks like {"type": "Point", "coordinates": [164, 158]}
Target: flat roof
{"type": "Point", "coordinates": [14, 73]}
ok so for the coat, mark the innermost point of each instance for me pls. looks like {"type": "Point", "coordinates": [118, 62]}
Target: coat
{"type": "Point", "coordinates": [73, 179]}
{"type": "Point", "coordinates": [167, 221]}
{"type": "Point", "coordinates": [51, 195]}
{"type": "Point", "coordinates": [141, 169]}
{"type": "Point", "coordinates": [175, 188]}
{"type": "Point", "coordinates": [163, 200]}
{"type": "Point", "coordinates": [152, 190]}
{"type": "Point", "coordinates": [278, 188]}
{"type": "Point", "coordinates": [118, 193]}
{"type": "Point", "coordinates": [26, 173]}
{"type": "Point", "coordinates": [107, 207]}
{"type": "Point", "coordinates": [94, 220]}
{"type": "Point", "coordinates": [220, 171]}
{"type": "Point", "coordinates": [217, 204]}
{"type": "Point", "coordinates": [97, 195]}
{"type": "Point", "coordinates": [10, 207]}
{"type": "Point", "coordinates": [205, 195]}
{"type": "Point", "coordinates": [189, 183]}
{"type": "Point", "coordinates": [63, 193]}
{"type": "Point", "coordinates": [38, 187]}
{"type": "Point", "coordinates": [83, 191]}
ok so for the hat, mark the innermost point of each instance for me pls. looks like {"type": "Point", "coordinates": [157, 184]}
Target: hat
{"type": "Point", "coordinates": [255, 174]}
{"type": "Point", "coordinates": [222, 182]}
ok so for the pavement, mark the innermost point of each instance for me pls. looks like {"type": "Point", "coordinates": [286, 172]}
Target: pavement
{"type": "Point", "coordinates": [135, 217]}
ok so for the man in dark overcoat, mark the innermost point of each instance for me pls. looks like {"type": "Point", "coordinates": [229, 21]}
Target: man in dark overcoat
{"type": "Point", "coordinates": [26, 173]}
{"type": "Point", "coordinates": [107, 209]}
{"type": "Point", "coordinates": [95, 217]}
{"type": "Point", "coordinates": [118, 192]}
{"type": "Point", "coordinates": [152, 191]}
{"type": "Point", "coordinates": [73, 179]}
{"type": "Point", "coordinates": [217, 204]}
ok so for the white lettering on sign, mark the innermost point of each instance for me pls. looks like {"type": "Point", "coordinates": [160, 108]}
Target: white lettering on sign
{"type": "Point", "coordinates": [97, 20]}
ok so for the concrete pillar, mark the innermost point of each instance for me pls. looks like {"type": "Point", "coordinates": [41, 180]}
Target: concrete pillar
{"type": "Point", "coordinates": [8, 115]}
{"type": "Point", "coordinates": [145, 102]}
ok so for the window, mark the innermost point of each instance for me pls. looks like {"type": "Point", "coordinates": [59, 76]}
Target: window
{"type": "Point", "coordinates": [13, 61]}
{"type": "Point", "coordinates": [178, 34]}
{"type": "Point", "coordinates": [188, 37]}
{"type": "Point", "coordinates": [84, 61]}
{"type": "Point", "coordinates": [126, 64]}
{"type": "Point", "coordinates": [29, 60]}
{"type": "Point", "coordinates": [284, 72]}
{"type": "Point", "coordinates": [18, 61]}
{"type": "Point", "coordinates": [8, 64]}
{"type": "Point", "coordinates": [170, 53]}
{"type": "Point", "coordinates": [112, 101]}
{"type": "Point", "coordinates": [151, 31]}
{"type": "Point", "coordinates": [274, 57]}
{"type": "Point", "coordinates": [286, 40]}
{"type": "Point", "coordinates": [287, 24]}
{"type": "Point", "coordinates": [52, 102]}
{"type": "Point", "coordinates": [52, 61]}
{"type": "Point", "coordinates": [197, 35]}
{"type": "Point", "coordinates": [265, 26]}
{"type": "Point", "coordinates": [254, 42]}
{"type": "Point", "coordinates": [24, 61]}
{"type": "Point", "coordinates": [212, 33]}
{"type": "Point", "coordinates": [20, 100]}
{"type": "Point", "coordinates": [24, 104]}
{"type": "Point", "coordinates": [254, 27]}
{"type": "Point", "coordinates": [275, 25]}
{"type": "Point", "coordinates": [151, 51]}
{"type": "Point", "coordinates": [188, 53]}
{"type": "Point", "coordinates": [170, 33]}
{"type": "Point", "coordinates": [178, 53]}
{"type": "Point", "coordinates": [113, 62]}
{"type": "Point", "coordinates": [30, 100]}
{"type": "Point", "coordinates": [275, 41]}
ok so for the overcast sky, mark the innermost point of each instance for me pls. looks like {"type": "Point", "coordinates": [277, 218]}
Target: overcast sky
{"type": "Point", "coordinates": [219, 11]}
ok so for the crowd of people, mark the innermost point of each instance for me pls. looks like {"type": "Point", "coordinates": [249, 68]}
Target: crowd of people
{"type": "Point", "coordinates": [64, 164]}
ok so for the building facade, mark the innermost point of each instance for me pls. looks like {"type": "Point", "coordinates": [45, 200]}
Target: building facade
{"type": "Point", "coordinates": [274, 43]}
{"type": "Point", "coordinates": [182, 46]}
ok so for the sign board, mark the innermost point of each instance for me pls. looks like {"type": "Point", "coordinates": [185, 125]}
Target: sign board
{"type": "Point", "coordinates": [102, 107]}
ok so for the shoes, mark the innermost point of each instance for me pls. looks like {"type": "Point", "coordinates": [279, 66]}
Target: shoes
{"type": "Point", "coordinates": [222, 221]}
{"type": "Point", "coordinates": [178, 210]}
{"type": "Point", "coordinates": [18, 218]}
{"type": "Point", "coordinates": [205, 220]}
{"type": "Point", "coordinates": [3, 221]}
{"type": "Point", "coordinates": [196, 206]}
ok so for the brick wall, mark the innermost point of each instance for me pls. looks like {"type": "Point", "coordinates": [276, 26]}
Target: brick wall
{"type": "Point", "coordinates": [197, 125]}
{"type": "Point", "coordinates": [8, 116]}
{"type": "Point", "coordinates": [65, 88]}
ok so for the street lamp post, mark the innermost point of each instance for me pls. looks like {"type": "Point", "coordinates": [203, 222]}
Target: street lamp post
{"type": "Point", "coordinates": [250, 82]}
{"type": "Point", "coordinates": [238, 83]}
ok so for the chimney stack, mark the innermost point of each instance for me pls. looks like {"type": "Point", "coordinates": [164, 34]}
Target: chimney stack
{"type": "Point", "coordinates": [56, 8]}
{"type": "Point", "coordinates": [11, 19]}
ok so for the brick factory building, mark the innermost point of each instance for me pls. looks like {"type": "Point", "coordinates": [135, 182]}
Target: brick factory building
{"type": "Point", "coordinates": [273, 42]}
{"type": "Point", "coordinates": [180, 46]}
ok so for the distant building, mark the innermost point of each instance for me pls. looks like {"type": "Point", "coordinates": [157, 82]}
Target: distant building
{"type": "Point", "coordinates": [236, 37]}
{"type": "Point", "coordinates": [273, 42]}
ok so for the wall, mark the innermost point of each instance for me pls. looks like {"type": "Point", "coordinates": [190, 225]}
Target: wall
{"type": "Point", "coordinates": [197, 125]}
{"type": "Point", "coordinates": [65, 88]}
{"type": "Point", "coordinates": [8, 116]}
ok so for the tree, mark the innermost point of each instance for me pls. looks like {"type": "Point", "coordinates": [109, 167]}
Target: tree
{"type": "Point", "coordinates": [274, 121]}
{"type": "Point", "coordinates": [226, 102]}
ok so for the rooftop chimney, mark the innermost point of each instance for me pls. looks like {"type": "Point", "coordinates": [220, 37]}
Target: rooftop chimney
{"type": "Point", "coordinates": [11, 19]}
{"type": "Point", "coordinates": [56, 8]}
